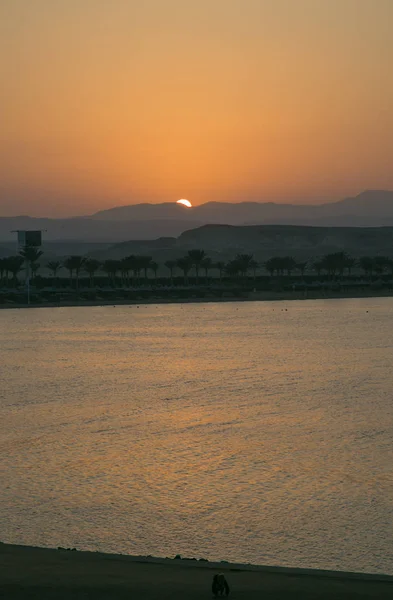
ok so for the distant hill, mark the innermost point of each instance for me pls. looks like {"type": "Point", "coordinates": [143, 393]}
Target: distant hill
{"type": "Point", "coordinates": [223, 242]}
{"type": "Point", "coordinates": [374, 204]}
{"type": "Point", "coordinates": [373, 208]}
{"type": "Point", "coordinates": [302, 241]}
{"type": "Point", "coordinates": [143, 212]}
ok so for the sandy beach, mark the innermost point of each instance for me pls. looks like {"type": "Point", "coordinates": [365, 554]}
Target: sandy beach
{"type": "Point", "coordinates": [27, 572]}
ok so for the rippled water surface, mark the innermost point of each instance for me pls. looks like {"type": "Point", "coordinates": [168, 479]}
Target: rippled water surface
{"type": "Point", "coordinates": [252, 432]}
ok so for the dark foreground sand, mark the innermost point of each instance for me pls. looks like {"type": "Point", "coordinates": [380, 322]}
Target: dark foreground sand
{"type": "Point", "coordinates": [246, 297]}
{"type": "Point", "coordinates": [40, 573]}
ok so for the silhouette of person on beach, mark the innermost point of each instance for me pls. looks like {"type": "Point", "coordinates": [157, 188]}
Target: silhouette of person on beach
{"type": "Point", "coordinates": [220, 585]}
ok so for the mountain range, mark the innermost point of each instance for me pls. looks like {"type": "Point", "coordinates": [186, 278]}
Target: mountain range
{"type": "Point", "coordinates": [223, 242]}
{"type": "Point", "coordinates": [372, 208]}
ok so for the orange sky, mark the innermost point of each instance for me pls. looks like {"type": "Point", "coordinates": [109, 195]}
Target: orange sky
{"type": "Point", "coordinates": [107, 102]}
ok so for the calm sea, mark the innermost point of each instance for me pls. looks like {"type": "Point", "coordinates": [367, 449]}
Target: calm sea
{"type": "Point", "coordinates": [251, 432]}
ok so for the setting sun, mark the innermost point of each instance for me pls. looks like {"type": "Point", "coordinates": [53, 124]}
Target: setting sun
{"type": "Point", "coordinates": [185, 203]}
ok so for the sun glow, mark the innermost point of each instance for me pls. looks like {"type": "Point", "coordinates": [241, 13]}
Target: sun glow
{"type": "Point", "coordinates": [185, 203]}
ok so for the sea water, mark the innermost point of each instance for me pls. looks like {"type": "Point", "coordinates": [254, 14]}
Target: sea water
{"type": "Point", "coordinates": [250, 432]}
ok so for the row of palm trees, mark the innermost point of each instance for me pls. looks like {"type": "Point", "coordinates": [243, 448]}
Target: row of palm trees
{"type": "Point", "coordinates": [132, 268]}
{"type": "Point", "coordinates": [336, 263]}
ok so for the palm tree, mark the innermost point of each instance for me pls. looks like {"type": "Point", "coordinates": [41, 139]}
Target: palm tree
{"type": "Point", "coordinates": [207, 264]}
{"type": "Point", "coordinates": [334, 263]}
{"type": "Point", "coordinates": [30, 254]}
{"type": "Point", "coordinates": [302, 266]}
{"type": "Point", "coordinates": [366, 263]}
{"type": "Point", "coordinates": [111, 267]}
{"type": "Point", "coordinates": [220, 265]}
{"type": "Point", "coordinates": [318, 265]}
{"type": "Point", "coordinates": [381, 264]}
{"type": "Point", "coordinates": [232, 268]}
{"type": "Point", "coordinates": [14, 266]}
{"type": "Point", "coordinates": [154, 267]}
{"type": "Point", "coordinates": [196, 258]}
{"type": "Point", "coordinates": [127, 266]}
{"type": "Point", "coordinates": [69, 265]}
{"type": "Point", "coordinates": [254, 266]}
{"type": "Point", "coordinates": [139, 264]}
{"type": "Point", "coordinates": [271, 266]}
{"type": "Point", "coordinates": [79, 262]}
{"type": "Point", "coordinates": [73, 264]}
{"type": "Point", "coordinates": [171, 265]}
{"type": "Point", "coordinates": [91, 266]}
{"type": "Point", "coordinates": [349, 264]}
{"type": "Point", "coordinates": [54, 266]}
{"type": "Point", "coordinates": [144, 263]}
{"type": "Point", "coordinates": [326, 266]}
{"type": "Point", "coordinates": [343, 261]}
{"type": "Point", "coordinates": [288, 263]}
{"type": "Point", "coordinates": [244, 262]}
{"type": "Point", "coordinates": [3, 269]}
{"type": "Point", "coordinates": [184, 265]}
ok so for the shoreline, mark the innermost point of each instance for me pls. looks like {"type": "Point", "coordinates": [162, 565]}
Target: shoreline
{"type": "Point", "coordinates": [250, 297]}
{"type": "Point", "coordinates": [32, 572]}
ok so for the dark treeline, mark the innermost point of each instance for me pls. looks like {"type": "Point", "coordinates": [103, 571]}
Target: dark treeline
{"type": "Point", "coordinates": [136, 277]}
{"type": "Point", "coordinates": [196, 268]}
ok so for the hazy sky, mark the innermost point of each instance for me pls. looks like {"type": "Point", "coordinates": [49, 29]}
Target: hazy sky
{"type": "Point", "coordinates": [106, 102]}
